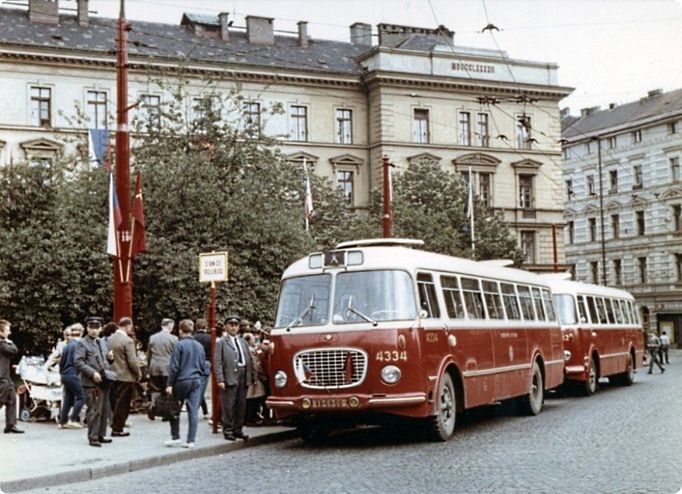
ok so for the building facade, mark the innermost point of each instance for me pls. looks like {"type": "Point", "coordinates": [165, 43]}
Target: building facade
{"type": "Point", "coordinates": [623, 193]}
{"type": "Point", "coordinates": [413, 95]}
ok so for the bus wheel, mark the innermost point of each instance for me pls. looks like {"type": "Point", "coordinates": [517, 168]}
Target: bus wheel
{"type": "Point", "coordinates": [590, 386]}
{"type": "Point", "coordinates": [313, 432]}
{"type": "Point", "coordinates": [627, 377]}
{"type": "Point", "coordinates": [532, 402]}
{"type": "Point", "coordinates": [441, 426]}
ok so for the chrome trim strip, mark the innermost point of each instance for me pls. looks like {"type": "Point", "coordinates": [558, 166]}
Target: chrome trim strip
{"type": "Point", "coordinates": [554, 362]}
{"type": "Point", "coordinates": [575, 369]}
{"type": "Point", "coordinates": [407, 400]}
{"type": "Point", "coordinates": [496, 370]}
{"type": "Point", "coordinates": [277, 403]}
{"type": "Point", "coordinates": [614, 355]}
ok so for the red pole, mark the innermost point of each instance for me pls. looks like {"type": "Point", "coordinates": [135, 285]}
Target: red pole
{"type": "Point", "coordinates": [387, 219]}
{"type": "Point", "coordinates": [215, 405]}
{"type": "Point", "coordinates": [123, 290]}
{"type": "Point", "coordinates": [556, 261]}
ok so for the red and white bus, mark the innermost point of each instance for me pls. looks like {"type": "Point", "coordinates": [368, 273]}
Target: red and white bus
{"type": "Point", "coordinates": [379, 328]}
{"type": "Point", "coordinates": [602, 332]}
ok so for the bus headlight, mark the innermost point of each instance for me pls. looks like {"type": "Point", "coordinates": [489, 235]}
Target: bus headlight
{"type": "Point", "coordinates": [280, 379]}
{"type": "Point", "coordinates": [567, 355]}
{"type": "Point", "coordinates": [390, 374]}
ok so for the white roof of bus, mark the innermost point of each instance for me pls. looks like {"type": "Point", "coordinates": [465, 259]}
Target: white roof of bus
{"type": "Point", "coordinates": [395, 257]}
{"type": "Point", "coordinates": [577, 287]}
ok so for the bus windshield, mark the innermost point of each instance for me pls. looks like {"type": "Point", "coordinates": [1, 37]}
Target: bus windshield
{"type": "Point", "coordinates": [373, 296]}
{"type": "Point", "coordinates": [565, 306]}
{"type": "Point", "coordinates": [304, 301]}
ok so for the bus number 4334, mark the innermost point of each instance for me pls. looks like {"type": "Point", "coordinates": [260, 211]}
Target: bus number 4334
{"type": "Point", "coordinates": [394, 356]}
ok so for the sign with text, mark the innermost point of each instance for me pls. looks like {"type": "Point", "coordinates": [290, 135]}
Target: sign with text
{"type": "Point", "coordinates": [213, 267]}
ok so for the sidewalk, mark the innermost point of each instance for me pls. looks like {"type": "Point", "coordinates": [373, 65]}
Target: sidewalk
{"type": "Point", "coordinates": [45, 456]}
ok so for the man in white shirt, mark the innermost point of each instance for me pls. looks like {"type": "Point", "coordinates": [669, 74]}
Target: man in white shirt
{"type": "Point", "coordinates": [665, 345]}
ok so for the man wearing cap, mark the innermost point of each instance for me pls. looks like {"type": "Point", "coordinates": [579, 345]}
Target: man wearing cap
{"type": "Point", "coordinates": [72, 394]}
{"type": "Point", "coordinates": [91, 362]}
{"type": "Point", "coordinates": [8, 397]}
{"type": "Point", "coordinates": [159, 353]}
{"type": "Point", "coordinates": [127, 369]}
{"type": "Point", "coordinates": [234, 373]}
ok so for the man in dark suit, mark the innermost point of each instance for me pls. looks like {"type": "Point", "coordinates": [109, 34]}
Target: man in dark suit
{"type": "Point", "coordinates": [8, 397]}
{"type": "Point", "coordinates": [91, 362]}
{"type": "Point", "coordinates": [234, 373]}
{"type": "Point", "coordinates": [159, 352]}
{"type": "Point", "coordinates": [127, 369]}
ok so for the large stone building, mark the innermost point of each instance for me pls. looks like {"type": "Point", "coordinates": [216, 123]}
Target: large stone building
{"type": "Point", "coordinates": [413, 95]}
{"type": "Point", "coordinates": [623, 193]}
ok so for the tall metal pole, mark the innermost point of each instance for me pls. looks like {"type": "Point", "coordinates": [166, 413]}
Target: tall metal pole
{"type": "Point", "coordinates": [601, 213]}
{"type": "Point", "coordinates": [387, 219]}
{"type": "Point", "coordinates": [123, 290]}
{"type": "Point", "coordinates": [554, 249]}
{"type": "Point", "coordinates": [215, 404]}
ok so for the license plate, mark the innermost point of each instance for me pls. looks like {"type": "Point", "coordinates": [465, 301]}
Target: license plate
{"type": "Point", "coordinates": [329, 403]}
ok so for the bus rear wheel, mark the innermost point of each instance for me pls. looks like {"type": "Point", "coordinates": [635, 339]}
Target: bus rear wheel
{"type": "Point", "coordinates": [627, 378]}
{"type": "Point", "coordinates": [531, 403]}
{"type": "Point", "coordinates": [441, 426]}
{"type": "Point", "coordinates": [590, 384]}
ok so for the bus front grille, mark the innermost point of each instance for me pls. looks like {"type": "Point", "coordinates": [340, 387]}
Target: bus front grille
{"type": "Point", "coordinates": [334, 368]}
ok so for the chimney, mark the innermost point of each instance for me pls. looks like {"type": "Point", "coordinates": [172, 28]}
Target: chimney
{"type": "Point", "coordinates": [654, 92]}
{"type": "Point", "coordinates": [393, 35]}
{"type": "Point", "coordinates": [259, 30]}
{"type": "Point", "coordinates": [612, 105]}
{"type": "Point", "coordinates": [44, 11]}
{"type": "Point", "coordinates": [564, 112]}
{"type": "Point", "coordinates": [303, 34]}
{"type": "Point", "coordinates": [224, 25]}
{"type": "Point", "coordinates": [584, 112]}
{"type": "Point", "coordinates": [83, 17]}
{"type": "Point", "coordinates": [361, 34]}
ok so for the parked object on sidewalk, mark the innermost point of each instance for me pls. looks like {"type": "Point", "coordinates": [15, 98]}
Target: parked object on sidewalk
{"type": "Point", "coordinates": [41, 390]}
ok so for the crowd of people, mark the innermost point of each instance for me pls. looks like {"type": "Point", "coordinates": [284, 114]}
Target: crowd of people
{"type": "Point", "coordinates": [101, 367]}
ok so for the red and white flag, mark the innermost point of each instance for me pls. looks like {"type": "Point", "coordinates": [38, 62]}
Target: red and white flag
{"type": "Point", "coordinates": [308, 196]}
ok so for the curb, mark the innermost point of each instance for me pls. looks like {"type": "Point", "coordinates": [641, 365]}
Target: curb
{"type": "Point", "coordinates": [92, 473]}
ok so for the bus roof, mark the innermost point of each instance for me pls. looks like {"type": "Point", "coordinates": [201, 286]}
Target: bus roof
{"type": "Point", "coordinates": [400, 257]}
{"type": "Point", "coordinates": [580, 288]}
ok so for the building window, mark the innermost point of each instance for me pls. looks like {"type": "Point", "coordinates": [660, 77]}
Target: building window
{"type": "Point", "coordinates": [570, 227]}
{"type": "Point", "coordinates": [344, 126]}
{"type": "Point", "coordinates": [483, 130]}
{"type": "Point", "coordinates": [565, 152]}
{"type": "Point", "coordinates": [526, 191]}
{"type": "Point", "coordinates": [678, 266]}
{"type": "Point", "coordinates": [641, 267]}
{"type": "Point", "coordinates": [594, 271]}
{"type": "Point", "coordinates": [345, 180]}
{"type": "Point", "coordinates": [464, 128]}
{"type": "Point", "coordinates": [592, 226]}
{"type": "Point", "coordinates": [615, 225]}
{"type": "Point", "coordinates": [590, 186]}
{"type": "Point", "coordinates": [484, 188]}
{"type": "Point", "coordinates": [420, 126]}
{"type": "Point", "coordinates": [639, 219]}
{"type": "Point", "coordinates": [677, 217]}
{"type": "Point", "coordinates": [252, 119]}
{"type": "Point", "coordinates": [150, 111]}
{"type": "Point", "coordinates": [298, 123]}
{"type": "Point", "coordinates": [672, 127]}
{"type": "Point", "coordinates": [617, 272]}
{"type": "Point", "coordinates": [637, 181]}
{"type": "Point", "coordinates": [588, 147]}
{"type": "Point", "coordinates": [523, 135]}
{"type": "Point", "coordinates": [613, 181]}
{"type": "Point", "coordinates": [569, 188]}
{"type": "Point", "coordinates": [675, 168]}
{"type": "Point", "coordinates": [41, 102]}
{"type": "Point", "coordinates": [612, 142]}
{"type": "Point", "coordinates": [96, 109]}
{"type": "Point", "coordinates": [637, 136]}
{"type": "Point", "coordinates": [528, 246]}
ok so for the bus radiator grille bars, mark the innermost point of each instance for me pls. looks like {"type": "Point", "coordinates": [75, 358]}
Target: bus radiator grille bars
{"type": "Point", "coordinates": [330, 368]}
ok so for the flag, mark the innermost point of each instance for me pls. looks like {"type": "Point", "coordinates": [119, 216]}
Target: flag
{"type": "Point", "coordinates": [98, 147]}
{"type": "Point", "coordinates": [308, 196]}
{"type": "Point", "coordinates": [470, 210]}
{"type": "Point", "coordinates": [115, 219]}
{"type": "Point", "coordinates": [302, 371]}
{"type": "Point", "coordinates": [348, 369]}
{"type": "Point", "coordinates": [138, 242]}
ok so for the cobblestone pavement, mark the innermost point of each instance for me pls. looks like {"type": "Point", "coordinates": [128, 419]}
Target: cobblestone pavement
{"type": "Point", "coordinates": [621, 440]}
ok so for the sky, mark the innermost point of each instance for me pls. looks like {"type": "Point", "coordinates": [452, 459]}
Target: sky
{"type": "Point", "coordinates": [610, 51]}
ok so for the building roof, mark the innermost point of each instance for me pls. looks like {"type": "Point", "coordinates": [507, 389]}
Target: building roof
{"type": "Point", "coordinates": [657, 104]}
{"type": "Point", "coordinates": [168, 41]}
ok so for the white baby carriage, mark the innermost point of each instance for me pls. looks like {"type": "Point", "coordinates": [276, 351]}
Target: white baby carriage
{"type": "Point", "coordinates": [40, 395]}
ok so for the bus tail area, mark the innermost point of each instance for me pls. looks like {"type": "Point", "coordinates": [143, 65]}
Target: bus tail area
{"type": "Point", "coordinates": [602, 331]}
{"type": "Point", "coordinates": [378, 330]}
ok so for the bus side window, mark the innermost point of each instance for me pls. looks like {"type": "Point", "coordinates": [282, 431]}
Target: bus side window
{"type": "Point", "coordinates": [582, 309]}
{"type": "Point", "coordinates": [549, 305]}
{"type": "Point", "coordinates": [491, 293]}
{"type": "Point", "coordinates": [617, 310]}
{"type": "Point", "coordinates": [427, 295]}
{"type": "Point", "coordinates": [452, 296]}
{"type": "Point", "coordinates": [626, 312]}
{"type": "Point", "coordinates": [609, 311]}
{"type": "Point", "coordinates": [593, 310]}
{"type": "Point", "coordinates": [511, 303]}
{"type": "Point", "coordinates": [601, 310]}
{"type": "Point", "coordinates": [537, 299]}
{"type": "Point", "coordinates": [473, 300]}
{"type": "Point", "coordinates": [526, 303]}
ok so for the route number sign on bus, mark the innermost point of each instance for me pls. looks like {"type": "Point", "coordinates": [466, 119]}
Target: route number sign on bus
{"type": "Point", "coordinates": [213, 267]}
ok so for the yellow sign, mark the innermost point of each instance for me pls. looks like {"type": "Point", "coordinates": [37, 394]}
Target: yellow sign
{"type": "Point", "coordinates": [212, 267]}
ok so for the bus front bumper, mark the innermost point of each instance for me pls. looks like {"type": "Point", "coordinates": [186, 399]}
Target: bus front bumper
{"type": "Point", "coordinates": [345, 402]}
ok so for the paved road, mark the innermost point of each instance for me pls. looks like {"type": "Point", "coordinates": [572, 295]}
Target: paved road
{"type": "Point", "coordinates": [621, 440]}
